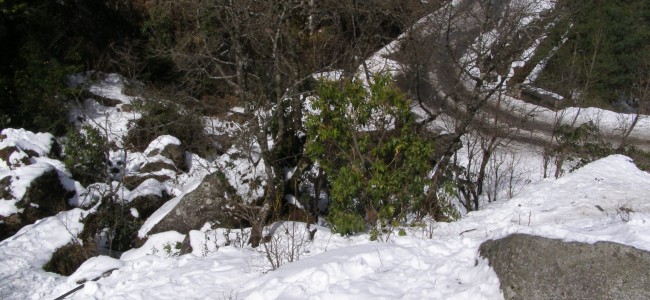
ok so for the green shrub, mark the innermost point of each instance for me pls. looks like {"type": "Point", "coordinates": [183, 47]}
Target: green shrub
{"type": "Point", "coordinates": [346, 223]}
{"type": "Point", "coordinates": [37, 92]}
{"type": "Point", "coordinates": [367, 143]}
{"type": "Point", "coordinates": [85, 155]}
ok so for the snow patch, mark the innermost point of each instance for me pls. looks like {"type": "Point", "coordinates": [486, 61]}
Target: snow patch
{"type": "Point", "coordinates": [164, 244]}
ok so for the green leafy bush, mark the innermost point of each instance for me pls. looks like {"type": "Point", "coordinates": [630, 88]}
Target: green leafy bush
{"type": "Point", "coordinates": [346, 223]}
{"type": "Point", "coordinates": [85, 155]}
{"type": "Point", "coordinates": [367, 143]}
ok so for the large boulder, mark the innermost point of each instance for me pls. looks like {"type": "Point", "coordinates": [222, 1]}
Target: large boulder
{"type": "Point", "coordinates": [212, 201]}
{"type": "Point", "coordinates": [532, 267]}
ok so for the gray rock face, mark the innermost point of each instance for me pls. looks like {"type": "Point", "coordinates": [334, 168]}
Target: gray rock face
{"type": "Point", "coordinates": [531, 267]}
{"type": "Point", "coordinates": [212, 201]}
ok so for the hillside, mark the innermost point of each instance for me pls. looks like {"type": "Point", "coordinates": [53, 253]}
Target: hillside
{"type": "Point", "coordinates": [312, 149]}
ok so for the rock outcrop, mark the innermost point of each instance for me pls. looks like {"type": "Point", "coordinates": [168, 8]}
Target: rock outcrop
{"type": "Point", "coordinates": [38, 191]}
{"type": "Point", "coordinates": [531, 267]}
{"type": "Point", "coordinates": [212, 201]}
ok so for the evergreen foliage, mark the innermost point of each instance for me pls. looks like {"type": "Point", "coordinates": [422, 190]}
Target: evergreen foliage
{"type": "Point", "coordinates": [42, 42]}
{"type": "Point", "coordinates": [600, 46]}
{"type": "Point", "coordinates": [366, 142]}
{"type": "Point", "coordinates": [85, 155]}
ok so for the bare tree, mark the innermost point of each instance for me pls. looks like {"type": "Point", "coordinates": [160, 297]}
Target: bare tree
{"type": "Point", "coordinates": [472, 46]}
{"type": "Point", "coordinates": [641, 95]}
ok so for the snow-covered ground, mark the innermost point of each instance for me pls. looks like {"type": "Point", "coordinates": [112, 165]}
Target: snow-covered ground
{"type": "Point", "coordinates": [605, 200]}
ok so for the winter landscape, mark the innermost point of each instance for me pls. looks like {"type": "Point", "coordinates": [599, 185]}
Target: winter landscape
{"type": "Point", "coordinates": [317, 150]}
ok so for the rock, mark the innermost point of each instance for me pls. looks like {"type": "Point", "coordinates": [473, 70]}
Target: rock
{"type": "Point", "coordinates": [155, 165]}
{"type": "Point", "coordinates": [148, 197]}
{"type": "Point", "coordinates": [5, 187]}
{"type": "Point", "coordinates": [132, 181]}
{"type": "Point", "coordinates": [169, 147]}
{"type": "Point", "coordinates": [18, 145]}
{"type": "Point", "coordinates": [212, 201]}
{"type": "Point", "coordinates": [39, 192]}
{"type": "Point", "coordinates": [531, 267]}
{"type": "Point", "coordinates": [105, 101]}
{"type": "Point", "coordinates": [13, 157]}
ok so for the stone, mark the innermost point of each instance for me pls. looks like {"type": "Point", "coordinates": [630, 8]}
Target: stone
{"type": "Point", "coordinates": [157, 165]}
{"type": "Point", "coordinates": [212, 201]}
{"type": "Point", "coordinates": [132, 181]}
{"type": "Point", "coordinates": [532, 267]}
{"type": "Point", "coordinates": [45, 196]}
{"type": "Point", "coordinates": [170, 148]}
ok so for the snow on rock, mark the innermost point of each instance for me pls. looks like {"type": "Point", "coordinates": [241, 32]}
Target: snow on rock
{"type": "Point", "coordinates": [39, 143]}
{"type": "Point", "coordinates": [246, 176]}
{"type": "Point", "coordinates": [17, 145]}
{"type": "Point", "coordinates": [160, 143]}
{"type": "Point", "coordinates": [158, 215]}
{"type": "Point", "coordinates": [21, 178]}
{"type": "Point", "coordinates": [112, 121]}
{"type": "Point", "coordinates": [150, 186]}
{"type": "Point", "coordinates": [94, 267]}
{"type": "Point", "coordinates": [164, 244]}
{"type": "Point", "coordinates": [23, 255]}
{"type": "Point", "coordinates": [111, 87]}
{"type": "Point", "coordinates": [8, 207]}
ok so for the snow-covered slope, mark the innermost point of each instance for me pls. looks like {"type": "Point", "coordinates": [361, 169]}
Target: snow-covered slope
{"type": "Point", "coordinates": [605, 200]}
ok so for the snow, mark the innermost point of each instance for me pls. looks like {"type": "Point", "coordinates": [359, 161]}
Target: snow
{"type": "Point", "coordinates": [112, 121]}
{"type": "Point", "coordinates": [162, 245]}
{"type": "Point", "coordinates": [605, 200]}
{"type": "Point", "coordinates": [111, 87]}
{"type": "Point", "coordinates": [94, 267]}
{"type": "Point", "coordinates": [245, 174]}
{"type": "Point", "coordinates": [8, 207]}
{"type": "Point", "coordinates": [160, 143]}
{"type": "Point", "coordinates": [150, 186]}
{"type": "Point", "coordinates": [21, 178]}
{"type": "Point", "coordinates": [37, 144]}
{"type": "Point", "coordinates": [381, 271]}
{"type": "Point", "coordinates": [23, 255]}
{"type": "Point", "coordinates": [21, 175]}
{"type": "Point", "coordinates": [40, 143]}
